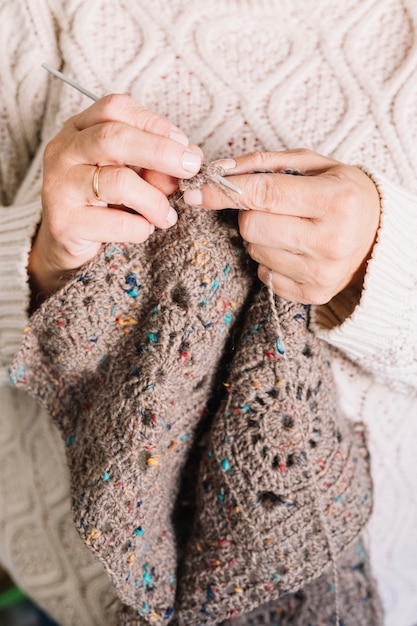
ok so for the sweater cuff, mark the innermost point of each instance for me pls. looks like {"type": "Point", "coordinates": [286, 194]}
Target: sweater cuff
{"type": "Point", "coordinates": [17, 226]}
{"type": "Point", "coordinates": [375, 328]}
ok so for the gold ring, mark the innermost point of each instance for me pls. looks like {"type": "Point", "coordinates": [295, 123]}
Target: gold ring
{"type": "Point", "coordinates": [95, 182]}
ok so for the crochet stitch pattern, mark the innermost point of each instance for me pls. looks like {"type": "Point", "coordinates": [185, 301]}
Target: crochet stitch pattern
{"type": "Point", "coordinates": [159, 353]}
{"type": "Point", "coordinates": [339, 78]}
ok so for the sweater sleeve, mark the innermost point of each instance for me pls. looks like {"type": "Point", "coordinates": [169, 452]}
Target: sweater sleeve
{"type": "Point", "coordinates": [27, 39]}
{"type": "Point", "coordinates": [379, 332]}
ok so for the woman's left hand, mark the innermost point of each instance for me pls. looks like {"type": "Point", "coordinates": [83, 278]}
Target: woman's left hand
{"type": "Point", "coordinates": [312, 235]}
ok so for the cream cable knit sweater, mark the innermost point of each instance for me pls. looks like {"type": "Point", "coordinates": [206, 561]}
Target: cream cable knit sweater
{"type": "Point", "coordinates": [237, 75]}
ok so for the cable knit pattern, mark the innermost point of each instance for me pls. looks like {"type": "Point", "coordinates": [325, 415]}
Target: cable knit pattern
{"type": "Point", "coordinates": [341, 79]}
{"type": "Point", "coordinates": [38, 542]}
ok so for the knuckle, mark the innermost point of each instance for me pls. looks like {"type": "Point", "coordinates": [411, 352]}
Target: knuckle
{"type": "Point", "coordinates": [347, 193]}
{"type": "Point", "coordinates": [259, 160]}
{"type": "Point", "coordinates": [121, 106]}
{"type": "Point", "coordinates": [152, 122]}
{"type": "Point", "coordinates": [112, 105]}
{"type": "Point", "coordinates": [336, 246]}
{"type": "Point", "coordinates": [119, 181]}
{"type": "Point", "coordinates": [122, 226]}
{"type": "Point", "coordinates": [108, 133]}
{"type": "Point", "coordinates": [349, 197]}
{"type": "Point", "coordinates": [161, 148]}
{"type": "Point", "coordinates": [262, 192]}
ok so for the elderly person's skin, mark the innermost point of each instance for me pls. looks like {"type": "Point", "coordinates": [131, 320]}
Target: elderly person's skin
{"type": "Point", "coordinates": [312, 235]}
{"type": "Point", "coordinates": [142, 155]}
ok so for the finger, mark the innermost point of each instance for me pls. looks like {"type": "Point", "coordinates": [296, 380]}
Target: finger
{"type": "Point", "coordinates": [122, 108]}
{"type": "Point", "coordinates": [294, 267]}
{"type": "Point", "coordinates": [300, 196]}
{"type": "Point", "coordinates": [294, 234]}
{"type": "Point", "coordinates": [282, 286]}
{"type": "Point", "coordinates": [122, 186]}
{"type": "Point", "coordinates": [283, 262]}
{"type": "Point", "coordinates": [305, 269]}
{"type": "Point", "coordinates": [314, 283]}
{"type": "Point", "coordinates": [163, 182]}
{"type": "Point", "coordinates": [166, 184]}
{"type": "Point", "coordinates": [105, 225]}
{"type": "Point", "coordinates": [117, 143]}
{"type": "Point", "coordinates": [304, 161]}
{"type": "Point", "coordinates": [289, 289]}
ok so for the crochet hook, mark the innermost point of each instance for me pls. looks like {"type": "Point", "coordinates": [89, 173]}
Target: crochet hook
{"type": "Point", "coordinates": [220, 179]}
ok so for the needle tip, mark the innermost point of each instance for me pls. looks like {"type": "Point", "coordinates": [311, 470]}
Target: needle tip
{"type": "Point", "coordinates": [223, 181]}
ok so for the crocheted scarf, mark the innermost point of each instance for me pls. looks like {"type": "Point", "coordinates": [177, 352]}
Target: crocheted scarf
{"type": "Point", "coordinates": [211, 469]}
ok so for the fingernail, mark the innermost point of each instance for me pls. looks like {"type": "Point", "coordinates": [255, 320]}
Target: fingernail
{"type": "Point", "coordinates": [191, 161]}
{"type": "Point", "coordinates": [151, 229]}
{"type": "Point", "coordinates": [264, 274]}
{"type": "Point", "coordinates": [226, 164]}
{"type": "Point", "coordinates": [177, 135]}
{"type": "Point", "coordinates": [194, 197]}
{"type": "Point", "coordinates": [172, 217]}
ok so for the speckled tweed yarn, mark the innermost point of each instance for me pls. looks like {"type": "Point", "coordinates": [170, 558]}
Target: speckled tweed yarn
{"type": "Point", "coordinates": [314, 604]}
{"type": "Point", "coordinates": [193, 458]}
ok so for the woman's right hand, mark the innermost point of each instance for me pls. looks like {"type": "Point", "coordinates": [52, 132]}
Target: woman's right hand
{"type": "Point", "coordinates": [141, 156]}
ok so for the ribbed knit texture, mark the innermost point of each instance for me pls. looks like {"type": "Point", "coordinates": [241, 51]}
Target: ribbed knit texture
{"type": "Point", "coordinates": [339, 78]}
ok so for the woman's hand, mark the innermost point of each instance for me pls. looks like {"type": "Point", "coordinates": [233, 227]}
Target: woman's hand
{"type": "Point", "coordinates": [141, 155]}
{"type": "Point", "coordinates": [312, 235]}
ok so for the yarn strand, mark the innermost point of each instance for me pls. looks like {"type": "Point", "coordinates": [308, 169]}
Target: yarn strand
{"type": "Point", "coordinates": [312, 478]}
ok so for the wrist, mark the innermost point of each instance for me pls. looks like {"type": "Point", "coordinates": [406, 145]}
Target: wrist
{"type": "Point", "coordinates": [358, 277]}
{"type": "Point", "coordinates": [45, 277]}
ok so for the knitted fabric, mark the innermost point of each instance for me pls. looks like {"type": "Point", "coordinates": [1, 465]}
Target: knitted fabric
{"type": "Point", "coordinates": [314, 604]}
{"type": "Point", "coordinates": [211, 469]}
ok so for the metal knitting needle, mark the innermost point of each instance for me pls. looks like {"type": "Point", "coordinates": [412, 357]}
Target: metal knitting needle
{"type": "Point", "coordinates": [220, 179]}
{"type": "Point", "coordinates": [226, 183]}
{"type": "Point", "coordinates": [70, 82]}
